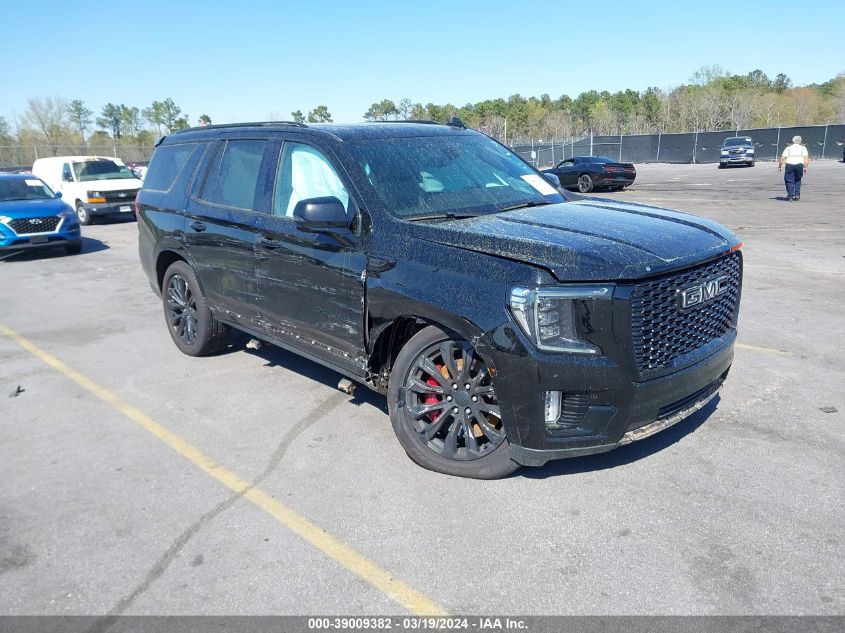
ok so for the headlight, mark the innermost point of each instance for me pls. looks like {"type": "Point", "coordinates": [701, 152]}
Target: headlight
{"type": "Point", "coordinates": [724, 152]}
{"type": "Point", "coordinates": [547, 316]}
{"type": "Point", "coordinates": [67, 213]}
{"type": "Point", "coordinates": [4, 219]}
{"type": "Point", "coordinates": [95, 197]}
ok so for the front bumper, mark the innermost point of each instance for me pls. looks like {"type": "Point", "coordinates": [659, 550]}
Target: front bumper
{"type": "Point", "coordinates": [65, 234]}
{"type": "Point", "coordinates": [743, 159]}
{"type": "Point", "coordinates": [617, 409]}
{"type": "Point", "coordinates": [109, 208]}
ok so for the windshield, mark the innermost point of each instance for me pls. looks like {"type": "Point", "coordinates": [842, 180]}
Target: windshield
{"type": "Point", "coordinates": [24, 189]}
{"type": "Point", "coordinates": [100, 170]}
{"type": "Point", "coordinates": [737, 140]}
{"type": "Point", "coordinates": [438, 175]}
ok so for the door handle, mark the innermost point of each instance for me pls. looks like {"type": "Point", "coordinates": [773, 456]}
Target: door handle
{"type": "Point", "coordinates": [199, 227]}
{"type": "Point", "coordinates": [266, 242]}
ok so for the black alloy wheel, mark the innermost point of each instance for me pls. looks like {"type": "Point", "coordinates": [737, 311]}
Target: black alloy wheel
{"type": "Point", "coordinates": [585, 183]}
{"type": "Point", "coordinates": [444, 407]}
{"type": "Point", "coordinates": [183, 310]}
{"type": "Point", "coordinates": [190, 322]}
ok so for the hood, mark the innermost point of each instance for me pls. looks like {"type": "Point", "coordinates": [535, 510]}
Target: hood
{"type": "Point", "coordinates": [33, 208]}
{"type": "Point", "coordinates": [590, 239]}
{"type": "Point", "coordinates": [119, 184]}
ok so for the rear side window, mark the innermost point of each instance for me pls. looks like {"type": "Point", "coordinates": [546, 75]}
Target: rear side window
{"type": "Point", "coordinates": [166, 165]}
{"type": "Point", "coordinates": [237, 175]}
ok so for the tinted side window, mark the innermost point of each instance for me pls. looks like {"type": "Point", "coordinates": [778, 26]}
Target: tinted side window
{"type": "Point", "coordinates": [238, 174]}
{"type": "Point", "coordinates": [166, 165]}
{"type": "Point", "coordinates": [66, 174]}
{"type": "Point", "coordinates": [304, 172]}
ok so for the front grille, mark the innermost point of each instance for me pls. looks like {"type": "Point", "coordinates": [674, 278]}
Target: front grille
{"type": "Point", "coordinates": [662, 331]}
{"type": "Point", "coordinates": [126, 196]}
{"type": "Point", "coordinates": [25, 226]}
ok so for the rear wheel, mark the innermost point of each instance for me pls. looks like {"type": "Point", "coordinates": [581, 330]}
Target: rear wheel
{"type": "Point", "coordinates": [82, 215]}
{"type": "Point", "coordinates": [585, 183]}
{"type": "Point", "coordinates": [444, 408]}
{"type": "Point", "coordinates": [189, 320]}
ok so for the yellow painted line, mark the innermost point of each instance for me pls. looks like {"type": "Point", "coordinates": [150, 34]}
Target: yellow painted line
{"type": "Point", "coordinates": [333, 547]}
{"type": "Point", "coordinates": [769, 350]}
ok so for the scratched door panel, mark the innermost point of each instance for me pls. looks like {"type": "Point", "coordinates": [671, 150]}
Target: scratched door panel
{"type": "Point", "coordinates": [310, 287]}
{"type": "Point", "coordinates": [221, 230]}
{"type": "Point", "coordinates": [311, 293]}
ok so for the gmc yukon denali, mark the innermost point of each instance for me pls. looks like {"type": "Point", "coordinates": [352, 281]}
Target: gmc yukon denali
{"type": "Point", "coordinates": [508, 323]}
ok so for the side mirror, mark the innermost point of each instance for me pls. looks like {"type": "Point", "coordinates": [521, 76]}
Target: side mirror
{"type": "Point", "coordinates": [58, 194]}
{"type": "Point", "coordinates": [553, 179]}
{"type": "Point", "coordinates": [67, 178]}
{"type": "Point", "coordinates": [321, 215]}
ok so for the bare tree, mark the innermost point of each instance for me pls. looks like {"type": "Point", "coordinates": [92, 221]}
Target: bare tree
{"type": "Point", "coordinates": [405, 107]}
{"type": "Point", "coordinates": [48, 116]}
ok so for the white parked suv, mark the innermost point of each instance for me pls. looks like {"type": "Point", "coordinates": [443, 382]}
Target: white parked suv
{"type": "Point", "coordinates": [93, 185]}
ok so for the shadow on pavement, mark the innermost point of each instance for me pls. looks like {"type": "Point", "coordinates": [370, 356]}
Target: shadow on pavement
{"type": "Point", "coordinates": [89, 245]}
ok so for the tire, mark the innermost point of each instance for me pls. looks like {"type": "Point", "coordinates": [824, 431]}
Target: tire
{"type": "Point", "coordinates": [721, 165]}
{"type": "Point", "coordinates": [428, 408]}
{"type": "Point", "coordinates": [83, 216]}
{"type": "Point", "coordinates": [751, 164]}
{"type": "Point", "coordinates": [73, 248]}
{"type": "Point", "coordinates": [192, 327]}
{"type": "Point", "coordinates": [585, 183]}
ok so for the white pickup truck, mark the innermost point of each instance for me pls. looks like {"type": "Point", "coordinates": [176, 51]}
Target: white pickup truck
{"type": "Point", "coordinates": [93, 185]}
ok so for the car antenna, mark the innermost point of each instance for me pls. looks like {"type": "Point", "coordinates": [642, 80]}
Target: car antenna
{"type": "Point", "coordinates": [456, 122]}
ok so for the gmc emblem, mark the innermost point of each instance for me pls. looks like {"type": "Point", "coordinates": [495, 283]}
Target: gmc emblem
{"type": "Point", "coordinates": [696, 295]}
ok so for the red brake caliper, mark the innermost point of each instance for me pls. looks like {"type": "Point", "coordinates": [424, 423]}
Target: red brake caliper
{"type": "Point", "coordinates": [432, 398]}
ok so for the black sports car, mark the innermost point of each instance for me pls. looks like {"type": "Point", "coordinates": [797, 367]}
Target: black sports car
{"type": "Point", "coordinates": [592, 172]}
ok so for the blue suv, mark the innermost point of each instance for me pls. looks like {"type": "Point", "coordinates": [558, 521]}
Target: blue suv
{"type": "Point", "coordinates": [32, 216]}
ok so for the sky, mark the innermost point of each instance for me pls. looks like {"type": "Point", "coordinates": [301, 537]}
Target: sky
{"type": "Point", "coordinates": [246, 61]}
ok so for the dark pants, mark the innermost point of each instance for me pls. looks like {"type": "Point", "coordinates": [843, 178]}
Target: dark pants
{"type": "Point", "coordinates": [792, 177]}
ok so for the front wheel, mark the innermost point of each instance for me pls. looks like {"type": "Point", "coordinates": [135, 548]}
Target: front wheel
{"type": "Point", "coordinates": [585, 183]}
{"type": "Point", "coordinates": [82, 215]}
{"type": "Point", "coordinates": [189, 320]}
{"type": "Point", "coordinates": [444, 408]}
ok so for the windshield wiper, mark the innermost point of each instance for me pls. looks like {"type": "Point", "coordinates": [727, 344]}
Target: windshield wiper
{"type": "Point", "coordinates": [525, 205]}
{"type": "Point", "coordinates": [443, 216]}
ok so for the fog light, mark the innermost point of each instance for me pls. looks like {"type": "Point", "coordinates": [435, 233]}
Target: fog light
{"type": "Point", "coordinates": [552, 406]}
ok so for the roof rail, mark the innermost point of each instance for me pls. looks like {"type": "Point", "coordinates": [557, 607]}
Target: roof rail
{"type": "Point", "coordinates": [220, 126]}
{"type": "Point", "coordinates": [426, 121]}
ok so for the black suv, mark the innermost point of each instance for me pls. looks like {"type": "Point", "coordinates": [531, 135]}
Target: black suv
{"type": "Point", "coordinates": [509, 323]}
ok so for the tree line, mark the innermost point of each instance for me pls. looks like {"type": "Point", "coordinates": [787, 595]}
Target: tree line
{"type": "Point", "coordinates": [57, 122]}
{"type": "Point", "coordinates": [713, 99]}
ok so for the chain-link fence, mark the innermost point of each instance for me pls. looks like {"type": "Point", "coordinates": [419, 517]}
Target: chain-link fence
{"type": "Point", "coordinates": [822, 141]}
{"type": "Point", "coordinates": [22, 156]}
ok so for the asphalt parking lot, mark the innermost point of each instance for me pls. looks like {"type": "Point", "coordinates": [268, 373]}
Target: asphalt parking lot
{"type": "Point", "coordinates": [136, 480]}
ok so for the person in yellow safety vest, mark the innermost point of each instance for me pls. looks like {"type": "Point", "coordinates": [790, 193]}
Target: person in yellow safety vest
{"type": "Point", "coordinates": [797, 160]}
